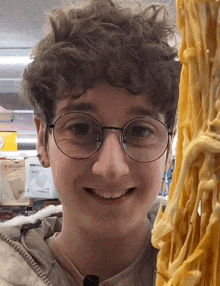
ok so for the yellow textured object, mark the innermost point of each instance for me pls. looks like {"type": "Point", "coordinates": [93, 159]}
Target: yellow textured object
{"type": "Point", "coordinates": [187, 233]}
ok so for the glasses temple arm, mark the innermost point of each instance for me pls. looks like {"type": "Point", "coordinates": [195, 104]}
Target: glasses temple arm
{"type": "Point", "coordinates": [170, 133]}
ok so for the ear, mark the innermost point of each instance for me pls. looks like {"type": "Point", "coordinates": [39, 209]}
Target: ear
{"type": "Point", "coordinates": [169, 153]}
{"type": "Point", "coordinates": [41, 145]}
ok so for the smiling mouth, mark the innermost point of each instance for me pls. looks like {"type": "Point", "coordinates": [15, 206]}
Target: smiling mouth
{"type": "Point", "coordinates": [108, 196]}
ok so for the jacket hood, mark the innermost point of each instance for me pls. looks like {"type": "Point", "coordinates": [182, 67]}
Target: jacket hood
{"type": "Point", "coordinates": [23, 252]}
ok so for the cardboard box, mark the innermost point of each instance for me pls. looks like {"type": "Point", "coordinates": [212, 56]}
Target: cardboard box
{"type": "Point", "coordinates": [13, 179]}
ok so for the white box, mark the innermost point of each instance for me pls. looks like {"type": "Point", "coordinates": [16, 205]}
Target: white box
{"type": "Point", "coordinates": [39, 180]}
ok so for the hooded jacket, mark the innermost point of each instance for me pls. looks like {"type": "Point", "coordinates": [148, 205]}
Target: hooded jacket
{"type": "Point", "coordinates": [26, 258]}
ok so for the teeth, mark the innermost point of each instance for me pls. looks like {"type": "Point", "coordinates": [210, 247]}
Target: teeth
{"type": "Point", "coordinates": [108, 195]}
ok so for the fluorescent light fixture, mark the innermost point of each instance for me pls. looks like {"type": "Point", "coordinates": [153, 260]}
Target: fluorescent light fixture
{"type": "Point", "coordinates": [13, 60]}
{"type": "Point", "coordinates": [26, 140]}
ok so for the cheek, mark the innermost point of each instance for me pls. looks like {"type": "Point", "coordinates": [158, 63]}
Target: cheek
{"type": "Point", "coordinates": [68, 174]}
{"type": "Point", "coordinates": [61, 172]}
{"type": "Point", "coordinates": [154, 174]}
{"type": "Point", "coordinates": [67, 177]}
{"type": "Point", "coordinates": [64, 169]}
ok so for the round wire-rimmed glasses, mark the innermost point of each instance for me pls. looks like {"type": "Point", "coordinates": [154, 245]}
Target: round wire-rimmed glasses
{"type": "Point", "coordinates": [79, 136]}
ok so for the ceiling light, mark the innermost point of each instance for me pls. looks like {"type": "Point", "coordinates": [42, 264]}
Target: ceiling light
{"type": "Point", "coordinates": [12, 60]}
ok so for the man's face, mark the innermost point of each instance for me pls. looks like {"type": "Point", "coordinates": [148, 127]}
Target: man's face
{"type": "Point", "coordinates": [109, 170]}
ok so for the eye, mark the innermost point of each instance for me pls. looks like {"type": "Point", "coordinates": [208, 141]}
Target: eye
{"type": "Point", "coordinates": [80, 129]}
{"type": "Point", "coordinates": [141, 131]}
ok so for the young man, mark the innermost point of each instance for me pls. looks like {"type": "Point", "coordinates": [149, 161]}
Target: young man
{"type": "Point", "coordinates": [104, 87]}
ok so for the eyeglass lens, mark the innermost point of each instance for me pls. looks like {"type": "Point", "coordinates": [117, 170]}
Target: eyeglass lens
{"type": "Point", "coordinates": [79, 136]}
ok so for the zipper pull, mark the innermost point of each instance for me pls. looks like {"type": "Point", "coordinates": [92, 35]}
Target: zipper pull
{"type": "Point", "coordinates": [91, 280]}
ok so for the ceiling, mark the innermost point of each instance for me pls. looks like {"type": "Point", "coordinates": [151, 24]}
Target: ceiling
{"type": "Point", "coordinates": [22, 21]}
{"type": "Point", "coordinates": [22, 25]}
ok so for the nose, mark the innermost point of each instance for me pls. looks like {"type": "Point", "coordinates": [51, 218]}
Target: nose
{"type": "Point", "coordinates": [111, 164]}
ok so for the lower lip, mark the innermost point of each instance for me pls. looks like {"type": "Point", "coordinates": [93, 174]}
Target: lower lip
{"type": "Point", "coordinates": [110, 201]}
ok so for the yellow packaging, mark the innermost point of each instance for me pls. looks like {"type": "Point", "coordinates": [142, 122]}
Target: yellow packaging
{"type": "Point", "coordinates": [8, 141]}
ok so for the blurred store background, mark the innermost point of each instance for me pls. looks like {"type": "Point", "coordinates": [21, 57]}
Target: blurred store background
{"type": "Point", "coordinates": [23, 182]}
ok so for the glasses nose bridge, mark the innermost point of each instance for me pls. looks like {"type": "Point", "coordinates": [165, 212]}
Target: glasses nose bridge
{"type": "Point", "coordinates": [114, 128]}
{"type": "Point", "coordinates": [120, 136]}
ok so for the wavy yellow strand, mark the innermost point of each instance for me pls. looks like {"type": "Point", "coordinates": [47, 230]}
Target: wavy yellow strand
{"type": "Point", "coordinates": [187, 233]}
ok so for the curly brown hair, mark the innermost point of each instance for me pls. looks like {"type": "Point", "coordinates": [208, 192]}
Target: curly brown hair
{"type": "Point", "coordinates": [104, 40]}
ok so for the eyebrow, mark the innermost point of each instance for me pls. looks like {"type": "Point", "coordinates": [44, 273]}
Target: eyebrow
{"type": "Point", "coordinates": [140, 111]}
{"type": "Point", "coordinates": [137, 111]}
{"type": "Point", "coordinates": [78, 107]}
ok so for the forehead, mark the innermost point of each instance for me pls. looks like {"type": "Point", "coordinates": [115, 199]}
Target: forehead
{"type": "Point", "coordinates": [106, 101]}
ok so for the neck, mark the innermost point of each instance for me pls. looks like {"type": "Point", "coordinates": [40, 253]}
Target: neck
{"type": "Point", "coordinates": [101, 256]}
